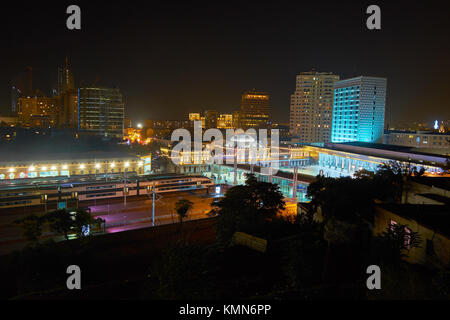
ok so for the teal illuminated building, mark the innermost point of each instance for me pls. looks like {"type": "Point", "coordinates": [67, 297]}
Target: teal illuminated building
{"type": "Point", "coordinates": [358, 110]}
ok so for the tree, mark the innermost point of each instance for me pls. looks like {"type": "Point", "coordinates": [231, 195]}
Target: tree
{"type": "Point", "coordinates": [60, 222]}
{"type": "Point", "coordinates": [63, 222]}
{"type": "Point", "coordinates": [179, 273]}
{"type": "Point", "coordinates": [182, 208]}
{"type": "Point", "coordinates": [395, 243]}
{"type": "Point", "coordinates": [31, 227]}
{"type": "Point", "coordinates": [82, 220]}
{"type": "Point", "coordinates": [364, 174]}
{"type": "Point", "coordinates": [446, 166]}
{"type": "Point", "coordinates": [347, 209]}
{"type": "Point", "coordinates": [247, 208]}
{"type": "Point", "coordinates": [345, 199]}
{"type": "Point", "coordinates": [392, 179]}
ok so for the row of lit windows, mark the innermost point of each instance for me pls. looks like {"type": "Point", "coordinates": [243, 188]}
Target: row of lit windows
{"type": "Point", "coordinates": [65, 167]}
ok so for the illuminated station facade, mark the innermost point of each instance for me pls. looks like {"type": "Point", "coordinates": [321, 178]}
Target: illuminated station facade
{"type": "Point", "coordinates": [92, 163]}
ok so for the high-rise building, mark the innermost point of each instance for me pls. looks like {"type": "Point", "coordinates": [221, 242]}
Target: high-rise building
{"type": "Point", "coordinates": [21, 87]}
{"type": "Point", "coordinates": [312, 107]}
{"type": "Point", "coordinates": [225, 121]}
{"type": "Point", "coordinates": [237, 120]}
{"type": "Point", "coordinates": [194, 116]}
{"type": "Point", "coordinates": [65, 80]}
{"type": "Point", "coordinates": [101, 111]}
{"type": "Point", "coordinates": [68, 106]}
{"type": "Point", "coordinates": [127, 123]}
{"type": "Point", "coordinates": [255, 109]}
{"type": "Point", "coordinates": [41, 112]}
{"type": "Point", "coordinates": [359, 107]}
{"type": "Point", "coordinates": [211, 119]}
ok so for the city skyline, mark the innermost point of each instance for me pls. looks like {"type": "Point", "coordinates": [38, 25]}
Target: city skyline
{"type": "Point", "coordinates": [162, 74]}
{"type": "Point", "coordinates": [186, 154]}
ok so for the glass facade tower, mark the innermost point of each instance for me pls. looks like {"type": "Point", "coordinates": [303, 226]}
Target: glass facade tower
{"type": "Point", "coordinates": [358, 109]}
{"type": "Point", "coordinates": [101, 111]}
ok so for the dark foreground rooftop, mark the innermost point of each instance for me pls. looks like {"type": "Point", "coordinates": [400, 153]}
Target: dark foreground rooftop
{"type": "Point", "coordinates": [434, 217]}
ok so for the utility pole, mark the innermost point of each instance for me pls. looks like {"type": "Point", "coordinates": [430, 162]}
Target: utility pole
{"type": "Point", "coordinates": [270, 173]}
{"type": "Point", "coordinates": [235, 166]}
{"type": "Point", "coordinates": [125, 189]}
{"type": "Point", "coordinates": [294, 190]}
{"type": "Point", "coordinates": [153, 203]}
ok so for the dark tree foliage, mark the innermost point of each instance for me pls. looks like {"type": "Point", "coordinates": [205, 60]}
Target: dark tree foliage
{"type": "Point", "coordinates": [31, 226]}
{"type": "Point", "coordinates": [446, 166]}
{"type": "Point", "coordinates": [347, 206]}
{"type": "Point", "coordinates": [182, 208]}
{"type": "Point", "coordinates": [351, 199]}
{"type": "Point", "coordinates": [390, 180]}
{"type": "Point", "coordinates": [178, 274]}
{"type": "Point", "coordinates": [60, 222]}
{"type": "Point", "coordinates": [345, 198]}
{"type": "Point", "coordinates": [247, 208]}
{"type": "Point", "coordinates": [395, 243]}
{"type": "Point", "coordinates": [83, 219]}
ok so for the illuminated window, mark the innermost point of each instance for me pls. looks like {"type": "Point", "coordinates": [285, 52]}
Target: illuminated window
{"type": "Point", "coordinates": [32, 174]}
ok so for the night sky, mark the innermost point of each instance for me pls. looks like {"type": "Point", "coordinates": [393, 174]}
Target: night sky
{"type": "Point", "coordinates": [171, 59]}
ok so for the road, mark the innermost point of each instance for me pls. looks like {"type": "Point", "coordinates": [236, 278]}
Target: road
{"type": "Point", "coordinates": [135, 214]}
{"type": "Point", "coordinates": [132, 214]}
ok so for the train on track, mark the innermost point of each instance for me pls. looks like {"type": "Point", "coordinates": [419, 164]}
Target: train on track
{"type": "Point", "coordinates": [60, 190]}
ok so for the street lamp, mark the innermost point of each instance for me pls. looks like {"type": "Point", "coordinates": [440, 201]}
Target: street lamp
{"type": "Point", "coordinates": [75, 196]}
{"type": "Point", "coordinates": [44, 201]}
{"type": "Point", "coordinates": [125, 189]}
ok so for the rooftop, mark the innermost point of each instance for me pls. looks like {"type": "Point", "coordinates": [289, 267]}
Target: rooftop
{"type": "Point", "coordinates": [435, 217]}
{"type": "Point", "coordinates": [438, 182]}
{"type": "Point", "coordinates": [436, 197]}
{"type": "Point", "coordinates": [392, 152]}
{"type": "Point", "coordinates": [44, 156]}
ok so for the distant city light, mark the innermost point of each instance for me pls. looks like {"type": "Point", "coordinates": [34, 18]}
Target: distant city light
{"type": "Point", "coordinates": [97, 165]}
{"type": "Point", "coordinates": [11, 170]}
{"type": "Point", "coordinates": [64, 167]}
{"type": "Point", "coordinates": [31, 168]}
{"type": "Point", "coordinates": [113, 165]}
{"type": "Point", "coordinates": [140, 163]}
{"type": "Point", "coordinates": [436, 125]}
{"type": "Point", "coordinates": [44, 168]}
{"type": "Point", "coordinates": [53, 168]}
{"type": "Point", "coordinates": [139, 125]}
{"type": "Point", "coordinates": [82, 166]}
{"type": "Point", "coordinates": [127, 164]}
